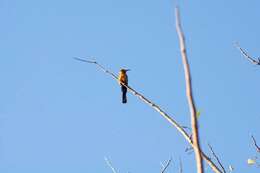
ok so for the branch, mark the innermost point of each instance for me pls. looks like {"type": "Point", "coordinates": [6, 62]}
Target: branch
{"type": "Point", "coordinates": [216, 157]}
{"type": "Point", "coordinates": [100, 66]}
{"type": "Point", "coordinates": [166, 165]}
{"type": "Point", "coordinates": [252, 60]}
{"type": "Point", "coordinates": [189, 150]}
{"type": "Point", "coordinates": [257, 147]}
{"type": "Point", "coordinates": [159, 110]}
{"type": "Point", "coordinates": [109, 164]}
{"type": "Point", "coordinates": [194, 122]}
{"type": "Point", "coordinates": [180, 170]}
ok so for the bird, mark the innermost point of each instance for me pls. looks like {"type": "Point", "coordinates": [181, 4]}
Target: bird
{"type": "Point", "coordinates": [123, 79]}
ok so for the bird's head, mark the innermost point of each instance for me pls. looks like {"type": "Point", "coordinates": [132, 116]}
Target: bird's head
{"type": "Point", "coordinates": [124, 70]}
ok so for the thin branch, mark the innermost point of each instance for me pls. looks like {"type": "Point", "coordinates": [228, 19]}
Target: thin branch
{"type": "Point", "coordinates": [189, 150]}
{"type": "Point", "coordinates": [216, 157]}
{"type": "Point", "coordinates": [255, 144]}
{"type": "Point", "coordinates": [166, 165]}
{"type": "Point", "coordinates": [186, 127]}
{"type": "Point", "coordinates": [252, 60]}
{"type": "Point", "coordinates": [193, 112]}
{"type": "Point", "coordinates": [160, 111]}
{"type": "Point", "coordinates": [109, 164]}
{"type": "Point", "coordinates": [231, 169]}
{"type": "Point", "coordinates": [180, 169]}
{"type": "Point", "coordinates": [84, 60]}
{"type": "Point", "coordinates": [100, 66]}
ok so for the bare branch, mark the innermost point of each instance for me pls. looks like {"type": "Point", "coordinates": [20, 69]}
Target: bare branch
{"type": "Point", "coordinates": [216, 157]}
{"type": "Point", "coordinates": [180, 169]}
{"type": "Point", "coordinates": [109, 164]}
{"type": "Point", "coordinates": [193, 112]}
{"type": "Point", "coordinates": [160, 111]}
{"type": "Point", "coordinates": [84, 60]}
{"type": "Point", "coordinates": [252, 60]}
{"type": "Point", "coordinates": [186, 127]}
{"type": "Point", "coordinates": [189, 150]}
{"type": "Point", "coordinates": [231, 168]}
{"type": "Point", "coordinates": [100, 66]}
{"type": "Point", "coordinates": [255, 144]}
{"type": "Point", "coordinates": [147, 101]}
{"type": "Point", "coordinates": [166, 165]}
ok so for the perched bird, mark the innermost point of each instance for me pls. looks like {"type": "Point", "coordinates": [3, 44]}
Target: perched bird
{"type": "Point", "coordinates": [123, 79]}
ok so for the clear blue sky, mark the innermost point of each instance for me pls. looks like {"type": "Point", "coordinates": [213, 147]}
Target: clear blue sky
{"type": "Point", "coordinates": [61, 115]}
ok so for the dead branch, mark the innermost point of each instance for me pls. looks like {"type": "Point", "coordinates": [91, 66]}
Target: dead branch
{"type": "Point", "coordinates": [252, 60]}
{"type": "Point", "coordinates": [109, 164]}
{"type": "Point", "coordinates": [180, 169]}
{"type": "Point", "coordinates": [231, 168]}
{"type": "Point", "coordinates": [100, 66]}
{"type": "Point", "coordinates": [216, 157]}
{"type": "Point", "coordinates": [255, 144]}
{"type": "Point", "coordinates": [158, 109]}
{"type": "Point", "coordinates": [189, 150]}
{"type": "Point", "coordinates": [193, 112]}
{"type": "Point", "coordinates": [166, 165]}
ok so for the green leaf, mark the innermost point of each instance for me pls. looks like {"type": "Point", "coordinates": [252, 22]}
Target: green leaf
{"type": "Point", "coordinates": [198, 113]}
{"type": "Point", "coordinates": [251, 161]}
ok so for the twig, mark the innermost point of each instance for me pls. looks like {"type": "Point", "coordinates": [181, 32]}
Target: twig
{"type": "Point", "coordinates": [180, 169]}
{"type": "Point", "coordinates": [231, 169]}
{"type": "Point", "coordinates": [100, 66]}
{"type": "Point", "coordinates": [186, 127]}
{"type": "Point", "coordinates": [252, 60]}
{"type": "Point", "coordinates": [193, 112]}
{"type": "Point", "coordinates": [216, 157]}
{"type": "Point", "coordinates": [166, 165]}
{"type": "Point", "coordinates": [254, 141]}
{"type": "Point", "coordinates": [160, 111]}
{"type": "Point", "coordinates": [189, 150]}
{"type": "Point", "coordinates": [84, 60]}
{"type": "Point", "coordinates": [109, 164]}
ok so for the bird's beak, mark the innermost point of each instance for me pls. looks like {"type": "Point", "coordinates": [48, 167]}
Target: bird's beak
{"type": "Point", "coordinates": [127, 70]}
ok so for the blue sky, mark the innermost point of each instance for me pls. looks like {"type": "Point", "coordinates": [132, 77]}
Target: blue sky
{"type": "Point", "coordinates": [61, 115]}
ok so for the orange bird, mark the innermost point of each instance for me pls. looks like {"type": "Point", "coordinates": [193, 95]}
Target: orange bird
{"type": "Point", "coordinates": [123, 79]}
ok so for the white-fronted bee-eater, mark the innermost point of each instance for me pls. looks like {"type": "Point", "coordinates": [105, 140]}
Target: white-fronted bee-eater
{"type": "Point", "coordinates": [123, 79]}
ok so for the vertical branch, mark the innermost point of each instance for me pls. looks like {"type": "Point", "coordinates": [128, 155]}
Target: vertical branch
{"type": "Point", "coordinates": [194, 123]}
{"type": "Point", "coordinates": [180, 169]}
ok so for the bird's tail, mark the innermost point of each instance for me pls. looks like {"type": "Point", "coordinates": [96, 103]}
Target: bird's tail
{"type": "Point", "coordinates": [124, 91]}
